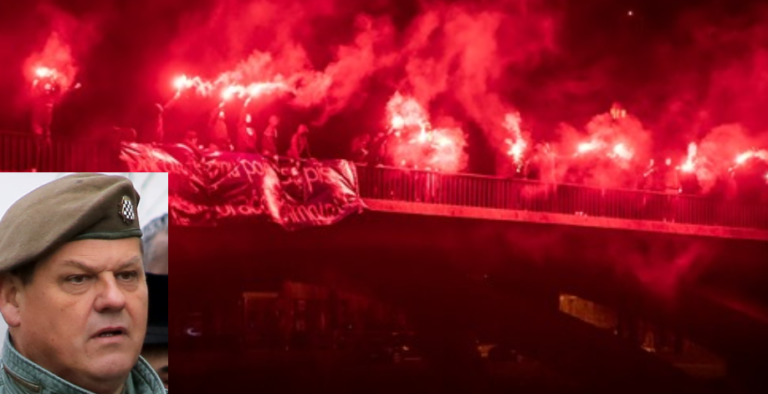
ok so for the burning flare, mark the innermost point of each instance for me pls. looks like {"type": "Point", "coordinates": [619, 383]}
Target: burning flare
{"type": "Point", "coordinates": [416, 144]}
{"type": "Point", "coordinates": [227, 91]}
{"type": "Point", "coordinates": [517, 144]}
{"type": "Point", "coordinates": [52, 70]}
{"type": "Point", "coordinates": [689, 165]}
{"type": "Point", "coordinates": [752, 154]}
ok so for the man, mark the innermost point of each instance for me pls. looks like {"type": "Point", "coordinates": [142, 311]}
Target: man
{"type": "Point", "coordinates": [155, 243]}
{"type": "Point", "coordinates": [73, 290]}
{"type": "Point", "coordinates": [157, 129]}
{"type": "Point", "coordinates": [360, 145]}
{"type": "Point", "coordinates": [300, 144]}
{"type": "Point", "coordinates": [191, 141]}
{"type": "Point", "coordinates": [219, 133]}
{"type": "Point", "coordinates": [46, 95]}
{"type": "Point", "coordinates": [269, 138]}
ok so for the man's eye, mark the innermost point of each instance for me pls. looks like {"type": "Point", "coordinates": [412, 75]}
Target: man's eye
{"type": "Point", "coordinates": [128, 275]}
{"type": "Point", "coordinates": [76, 279]}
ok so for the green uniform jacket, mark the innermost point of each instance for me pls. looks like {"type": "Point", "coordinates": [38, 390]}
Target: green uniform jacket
{"type": "Point", "coordinates": [21, 376]}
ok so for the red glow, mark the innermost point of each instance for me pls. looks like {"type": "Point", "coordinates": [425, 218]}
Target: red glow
{"type": "Point", "coordinates": [51, 69]}
{"type": "Point", "coordinates": [228, 91]}
{"type": "Point", "coordinates": [517, 144]}
{"type": "Point", "coordinates": [181, 82]}
{"type": "Point", "coordinates": [618, 112]}
{"type": "Point", "coordinates": [417, 144]}
{"type": "Point", "coordinates": [45, 72]}
{"type": "Point", "coordinates": [689, 164]}
{"type": "Point", "coordinates": [586, 147]}
{"type": "Point", "coordinates": [46, 78]}
{"type": "Point", "coordinates": [751, 154]}
{"type": "Point", "coordinates": [406, 112]}
{"type": "Point", "coordinates": [621, 151]}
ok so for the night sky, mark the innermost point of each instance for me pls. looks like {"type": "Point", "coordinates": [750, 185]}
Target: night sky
{"type": "Point", "coordinates": [682, 67]}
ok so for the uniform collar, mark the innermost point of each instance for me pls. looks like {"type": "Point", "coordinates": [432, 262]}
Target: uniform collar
{"type": "Point", "coordinates": [28, 377]}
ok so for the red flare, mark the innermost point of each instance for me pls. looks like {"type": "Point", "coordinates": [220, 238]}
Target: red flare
{"type": "Point", "coordinates": [621, 151]}
{"type": "Point", "coordinates": [52, 69]}
{"type": "Point", "coordinates": [586, 147]}
{"type": "Point", "coordinates": [45, 72]}
{"type": "Point", "coordinates": [751, 154]}
{"type": "Point", "coordinates": [416, 144]}
{"type": "Point", "coordinates": [689, 164]}
{"type": "Point", "coordinates": [517, 144]}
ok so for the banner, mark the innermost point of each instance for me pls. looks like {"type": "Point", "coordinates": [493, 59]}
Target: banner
{"type": "Point", "coordinates": [217, 188]}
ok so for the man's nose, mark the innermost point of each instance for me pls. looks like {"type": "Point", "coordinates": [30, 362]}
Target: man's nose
{"type": "Point", "coordinates": [110, 296]}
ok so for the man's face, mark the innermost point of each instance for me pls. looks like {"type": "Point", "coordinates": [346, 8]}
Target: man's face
{"type": "Point", "coordinates": [83, 316]}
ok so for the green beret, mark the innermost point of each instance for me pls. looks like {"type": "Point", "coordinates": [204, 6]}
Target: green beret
{"type": "Point", "coordinates": [75, 207]}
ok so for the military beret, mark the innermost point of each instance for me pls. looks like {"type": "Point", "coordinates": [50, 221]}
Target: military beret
{"type": "Point", "coordinates": [71, 208]}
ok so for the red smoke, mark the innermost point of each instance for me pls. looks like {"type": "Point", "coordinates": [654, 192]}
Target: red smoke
{"type": "Point", "coordinates": [607, 153]}
{"type": "Point", "coordinates": [472, 63]}
{"type": "Point", "coordinates": [280, 58]}
{"type": "Point", "coordinates": [52, 65]}
{"type": "Point", "coordinates": [414, 143]}
{"type": "Point", "coordinates": [465, 52]}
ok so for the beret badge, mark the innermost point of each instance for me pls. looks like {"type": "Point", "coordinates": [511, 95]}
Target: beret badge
{"type": "Point", "coordinates": [126, 211]}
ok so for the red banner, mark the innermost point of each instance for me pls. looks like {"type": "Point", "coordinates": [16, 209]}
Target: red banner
{"type": "Point", "coordinates": [218, 188]}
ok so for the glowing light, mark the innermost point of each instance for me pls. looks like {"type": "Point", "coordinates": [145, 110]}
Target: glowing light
{"type": "Point", "coordinates": [617, 111]}
{"type": "Point", "coordinates": [229, 92]}
{"type": "Point", "coordinates": [751, 154]}
{"type": "Point", "coordinates": [742, 158]}
{"type": "Point", "coordinates": [261, 88]}
{"type": "Point", "coordinates": [416, 144]}
{"type": "Point", "coordinates": [585, 147]}
{"type": "Point", "coordinates": [517, 144]}
{"type": "Point", "coordinates": [621, 151]}
{"type": "Point", "coordinates": [689, 164]}
{"type": "Point", "coordinates": [406, 112]}
{"type": "Point", "coordinates": [630, 13]}
{"type": "Point", "coordinates": [181, 82]}
{"type": "Point", "coordinates": [44, 72]}
{"type": "Point", "coordinates": [424, 137]}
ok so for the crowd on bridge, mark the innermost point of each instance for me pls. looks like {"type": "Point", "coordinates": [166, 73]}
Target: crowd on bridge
{"type": "Point", "coordinates": [265, 135]}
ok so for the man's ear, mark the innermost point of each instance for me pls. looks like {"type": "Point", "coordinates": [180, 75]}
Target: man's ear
{"type": "Point", "coordinates": [10, 287]}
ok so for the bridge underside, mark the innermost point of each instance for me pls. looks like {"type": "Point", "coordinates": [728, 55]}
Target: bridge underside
{"type": "Point", "coordinates": [456, 278]}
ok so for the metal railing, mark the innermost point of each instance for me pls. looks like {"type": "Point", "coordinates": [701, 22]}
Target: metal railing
{"type": "Point", "coordinates": [468, 190]}
{"type": "Point", "coordinates": [22, 152]}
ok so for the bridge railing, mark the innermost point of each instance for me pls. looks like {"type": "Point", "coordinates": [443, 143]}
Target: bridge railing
{"type": "Point", "coordinates": [20, 152]}
{"type": "Point", "coordinates": [468, 190]}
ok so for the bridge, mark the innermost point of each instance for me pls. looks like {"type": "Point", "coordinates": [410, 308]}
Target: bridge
{"type": "Point", "coordinates": [469, 196]}
{"type": "Point", "coordinates": [466, 256]}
